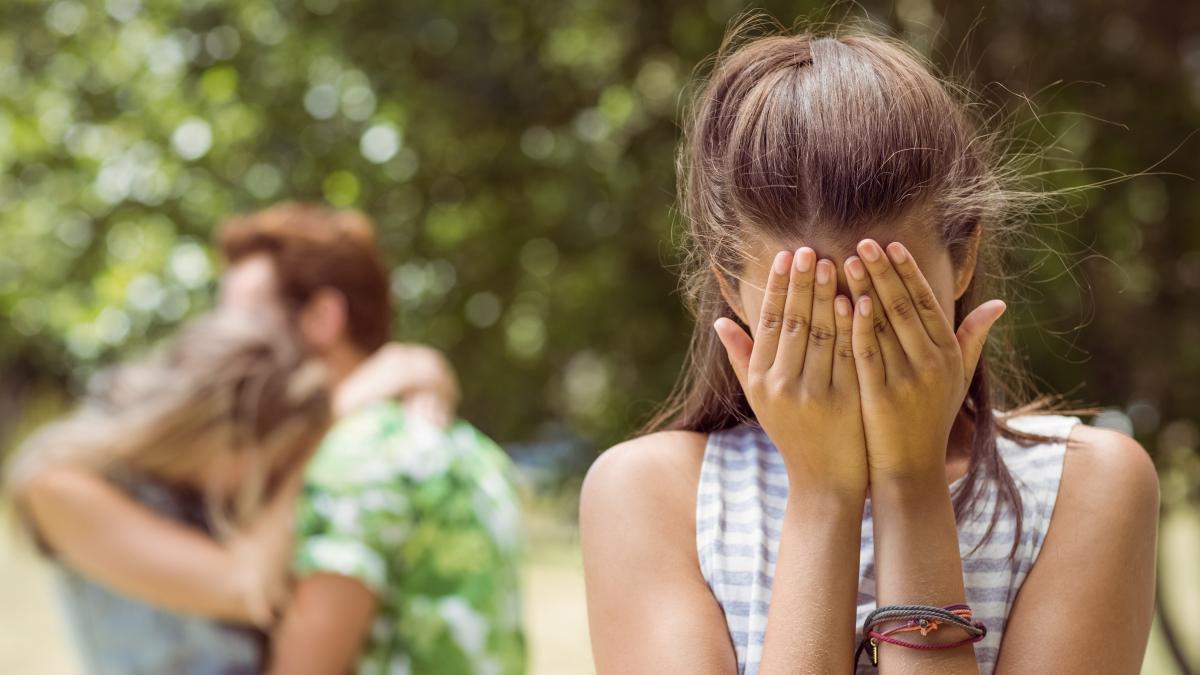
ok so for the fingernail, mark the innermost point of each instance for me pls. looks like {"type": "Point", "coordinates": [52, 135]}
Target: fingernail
{"type": "Point", "coordinates": [855, 269]}
{"type": "Point", "coordinates": [804, 258]}
{"type": "Point", "coordinates": [842, 305]}
{"type": "Point", "coordinates": [869, 250]}
{"type": "Point", "coordinates": [896, 252]}
{"type": "Point", "coordinates": [781, 262]}
{"type": "Point", "coordinates": [823, 271]}
{"type": "Point", "coordinates": [864, 305]}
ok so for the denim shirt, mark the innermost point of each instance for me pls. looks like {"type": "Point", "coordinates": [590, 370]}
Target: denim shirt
{"type": "Point", "coordinates": [118, 635]}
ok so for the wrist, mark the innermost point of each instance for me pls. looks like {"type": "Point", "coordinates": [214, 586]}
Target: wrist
{"type": "Point", "coordinates": [905, 480]}
{"type": "Point", "coordinates": [917, 495]}
{"type": "Point", "coordinates": [824, 501]}
{"type": "Point", "coordinates": [833, 491]}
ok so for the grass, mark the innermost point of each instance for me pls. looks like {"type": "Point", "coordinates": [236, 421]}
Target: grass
{"type": "Point", "coordinates": [34, 642]}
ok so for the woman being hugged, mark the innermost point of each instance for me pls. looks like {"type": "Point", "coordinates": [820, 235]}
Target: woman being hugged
{"type": "Point", "coordinates": [836, 444]}
{"type": "Point", "coordinates": [166, 498]}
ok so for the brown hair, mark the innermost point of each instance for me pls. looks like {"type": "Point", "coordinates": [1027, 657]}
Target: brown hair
{"type": "Point", "coordinates": [793, 134]}
{"type": "Point", "coordinates": [226, 387]}
{"type": "Point", "coordinates": [314, 246]}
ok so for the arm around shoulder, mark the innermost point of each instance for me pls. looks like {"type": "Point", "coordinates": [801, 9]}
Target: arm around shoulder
{"type": "Point", "coordinates": [92, 526]}
{"type": "Point", "coordinates": [649, 608]}
{"type": "Point", "coordinates": [1088, 602]}
{"type": "Point", "coordinates": [324, 627]}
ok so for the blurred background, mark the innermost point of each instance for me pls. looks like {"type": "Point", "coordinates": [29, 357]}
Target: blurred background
{"type": "Point", "coordinates": [518, 158]}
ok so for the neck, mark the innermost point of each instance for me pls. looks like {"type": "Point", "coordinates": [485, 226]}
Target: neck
{"type": "Point", "coordinates": [341, 360]}
{"type": "Point", "coordinates": [958, 446]}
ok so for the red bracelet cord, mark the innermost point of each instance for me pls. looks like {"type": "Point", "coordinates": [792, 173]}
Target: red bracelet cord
{"type": "Point", "coordinates": [882, 637]}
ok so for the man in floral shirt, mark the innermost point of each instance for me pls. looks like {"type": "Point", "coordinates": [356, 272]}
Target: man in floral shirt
{"type": "Point", "coordinates": [407, 549]}
{"type": "Point", "coordinates": [426, 520]}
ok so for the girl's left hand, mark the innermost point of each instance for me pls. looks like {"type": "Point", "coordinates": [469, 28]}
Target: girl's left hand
{"type": "Point", "coordinates": [913, 369]}
{"type": "Point", "coordinates": [419, 376]}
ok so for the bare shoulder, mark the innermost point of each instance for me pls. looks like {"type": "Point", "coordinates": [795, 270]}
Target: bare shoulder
{"type": "Point", "coordinates": [638, 503]}
{"type": "Point", "coordinates": [658, 471]}
{"type": "Point", "coordinates": [57, 485]}
{"type": "Point", "coordinates": [1097, 562]}
{"type": "Point", "coordinates": [1109, 471]}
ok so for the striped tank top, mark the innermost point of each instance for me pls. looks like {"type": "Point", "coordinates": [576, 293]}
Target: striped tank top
{"type": "Point", "coordinates": [739, 515]}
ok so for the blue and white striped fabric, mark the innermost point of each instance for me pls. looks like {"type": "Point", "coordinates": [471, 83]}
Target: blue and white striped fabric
{"type": "Point", "coordinates": [739, 514]}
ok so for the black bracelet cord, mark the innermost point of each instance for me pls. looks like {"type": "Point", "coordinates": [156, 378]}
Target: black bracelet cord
{"type": "Point", "coordinates": [921, 613]}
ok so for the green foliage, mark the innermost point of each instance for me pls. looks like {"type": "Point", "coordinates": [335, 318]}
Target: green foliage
{"type": "Point", "coordinates": [518, 157]}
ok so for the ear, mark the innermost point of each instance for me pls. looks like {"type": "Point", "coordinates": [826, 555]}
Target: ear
{"type": "Point", "coordinates": [727, 293]}
{"type": "Point", "coordinates": [965, 271]}
{"type": "Point", "coordinates": [324, 319]}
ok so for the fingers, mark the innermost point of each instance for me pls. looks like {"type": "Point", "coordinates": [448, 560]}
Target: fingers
{"type": "Point", "coordinates": [738, 347]}
{"type": "Point", "coordinates": [885, 336]}
{"type": "Point", "coordinates": [937, 325]}
{"type": "Point", "coordinates": [868, 359]}
{"type": "Point", "coordinates": [973, 332]}
{"type": "Point", "coordinates": [770, 319]}
{"type": "Point", "coordinates": [844, 374]}
{"type": "Point", "coordinates": [431, 407]}
{"type": "Point", "coordinates": [818, 358]}
{"type": "Point", "coordinates": [797, 316]}
{"type": "Point", "coordinates": [896, 303]}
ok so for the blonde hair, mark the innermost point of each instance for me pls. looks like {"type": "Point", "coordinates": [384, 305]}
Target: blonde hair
{"type": "Point", "coordinates": [226, 387]}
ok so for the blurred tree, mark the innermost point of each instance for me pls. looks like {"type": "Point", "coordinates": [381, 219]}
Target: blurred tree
{"type": "Point", "coordinates": [518, 157]}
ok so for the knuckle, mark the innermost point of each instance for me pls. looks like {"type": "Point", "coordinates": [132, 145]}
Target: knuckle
{"type": "Point", "coordinates": [867, 352]}
{"type": "Point", "coordinates": [776, 386]}
{"type": "Point", "coordinates": [820, 335]}
{"type": "Point", "coordinates": [755, 381]}
{"type": "Point", "coordinates": [906, 385]}
{"type": "Point", "coordinates": [769, 321]}
{"type": "Point", "coordinates": [845, 350]}
{"type": "Point", "coordinates": [925, 366]}
{"type": "Point", "coordinates": [881, 326]}
{"type": "Point", "coordinates": [801, 285]}
{"type": "Point", "coordinates": [795, 324]}
{"type": "Point", "coordinates": [926, 302]}
{"type": "Point", "coordinates": [901, 307]}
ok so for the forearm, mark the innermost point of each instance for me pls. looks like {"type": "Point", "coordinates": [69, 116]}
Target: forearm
{"type": "Point", "coordinates": [324, 627]}
{"type": "Point", "coordinates": [99, 531]}
{"type": "Point", "coordinates": [397, 371]}
{"type": "Point", "coordinates": [810, 625]}
{"type": "Point", "coordinates": [917, 562]}
{"type": "Point", "coordinates": [198, 578]}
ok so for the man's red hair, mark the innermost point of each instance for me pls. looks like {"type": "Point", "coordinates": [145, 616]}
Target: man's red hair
{"type": "Point", "coordinates": [314, 246]}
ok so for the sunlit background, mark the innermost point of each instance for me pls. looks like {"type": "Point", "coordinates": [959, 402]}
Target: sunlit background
{"type": "Point", "coordinates": [518, 157]}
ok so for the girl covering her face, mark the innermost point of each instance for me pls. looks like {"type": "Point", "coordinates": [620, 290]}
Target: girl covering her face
{"type": "Point", "coordinates": [838, 443]}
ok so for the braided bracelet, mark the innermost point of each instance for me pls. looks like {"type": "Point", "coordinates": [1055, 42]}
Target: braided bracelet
{"type": "Point", "coordinates": [922, 618]}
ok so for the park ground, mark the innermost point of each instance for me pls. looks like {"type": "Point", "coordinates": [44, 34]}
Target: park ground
{"type": "Point", "coordinates": [32, 640]}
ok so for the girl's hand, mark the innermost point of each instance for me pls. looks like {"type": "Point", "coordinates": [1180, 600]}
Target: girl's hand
{"type": "Point", "coordinates": [263, 554]}
{"type": "Point", "coordinates": [419, 376]}
{"type": "Point", "coordinates": [913, 369]}
{"type": "Point", "coordinates": [798, 375]}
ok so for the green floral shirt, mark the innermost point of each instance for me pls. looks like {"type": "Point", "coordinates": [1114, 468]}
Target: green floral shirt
{"type": "Point", "coordinates": [428, 520]}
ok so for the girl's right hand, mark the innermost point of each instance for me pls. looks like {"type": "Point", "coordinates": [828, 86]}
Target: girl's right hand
{"type": "Point", "coordinates": [799, 377]}
{"type": "Point", "coordinates": [263, 554]}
